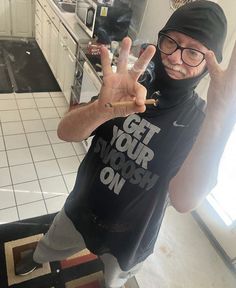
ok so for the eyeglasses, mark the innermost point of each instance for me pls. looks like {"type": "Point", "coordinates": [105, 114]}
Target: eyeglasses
{"type": "Point", "coordinates": [190, 56]}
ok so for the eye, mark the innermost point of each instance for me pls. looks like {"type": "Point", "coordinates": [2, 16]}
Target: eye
{"type": "Point", "coordinates": [193, 54]}
{"type": "Point", "coordinates": [169, 42]}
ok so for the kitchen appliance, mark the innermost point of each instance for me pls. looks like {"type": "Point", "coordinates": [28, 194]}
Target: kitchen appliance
{"type": "Point", "coordinates": [104, 21]}
{"type": "Point", "coordinates": [87, 82]}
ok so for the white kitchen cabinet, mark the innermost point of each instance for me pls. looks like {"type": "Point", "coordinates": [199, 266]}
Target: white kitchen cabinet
{"type": "Point", "coordinates": [53, 50]}
{"type": "Point", "coordinates": [58, 46]}
{"type": "Point", "coordinates": [21, 18]}
{"type": "Point", "coordinates": [66, 61]}
{"type": "Point", "coordinates": [16, 18]}
{"type": "Point", "coordinates": [70, 61]}
{"type": "Point", "coordinates": [5, 23]}
{"type": "Point", "coordinates": [61, 61]}
{"type": "Point", "coordinates": [46, 33]}
{"type": "Point", "coordinates": [38, 30]}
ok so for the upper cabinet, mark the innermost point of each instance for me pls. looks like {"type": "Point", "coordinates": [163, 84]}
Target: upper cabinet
{"type": "Point", "coordinates": [16, 18]}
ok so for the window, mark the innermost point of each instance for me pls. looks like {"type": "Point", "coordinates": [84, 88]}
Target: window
{"type": "Point", "coordinates": [223, 197]}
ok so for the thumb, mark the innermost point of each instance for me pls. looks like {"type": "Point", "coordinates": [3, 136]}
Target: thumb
{"type": "Point", "coordinates": [212, 64]}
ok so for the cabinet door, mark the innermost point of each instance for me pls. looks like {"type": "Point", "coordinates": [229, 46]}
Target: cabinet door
{"type": "Point", "coordinates": [69, 74]}
{"type": "Point", "coordinates": [38, 30]}
{"type": "Point", "coordinates": [61, 62]}
{"type": "Point", "coordinates": [21, 19]}
{"type": "Point", "coordinates": [53, 49]}
{"type": "Point", "coordinates": [46, 35]}
{"type": "Point", "coordinates": [5, 27]}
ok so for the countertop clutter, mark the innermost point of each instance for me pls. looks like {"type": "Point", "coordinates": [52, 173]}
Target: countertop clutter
{"type": "Point", "coordinates": [90, 46]}
{"type": "Point", "coordinates": [63, 33]}
{"type": "Point", "coordinates": [69, 20]}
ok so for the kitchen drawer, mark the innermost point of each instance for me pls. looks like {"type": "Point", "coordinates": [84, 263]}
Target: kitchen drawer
{"type": "Point", "coordinates": [41, 2]}
{"type": "Point", "coordinates": [54, 18]}
{"type": "Point", "coordinates": [68, 39]}
{"type": "Point", "coordinates": [38, 37]}
{"type": "Point", "coordinates": [38, 10]}
{"type": "Point", "coordinates": [38, 24]}
{"type": "Point", "coordinates": [46, 6]}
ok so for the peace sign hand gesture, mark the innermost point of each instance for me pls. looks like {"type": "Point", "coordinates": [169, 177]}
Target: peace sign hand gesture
{"type": "Point", "coordinates": [123, 85]}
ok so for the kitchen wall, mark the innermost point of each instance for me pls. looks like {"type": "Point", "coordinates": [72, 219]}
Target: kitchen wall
{"type": "Point", "coordinates": [148, 18]}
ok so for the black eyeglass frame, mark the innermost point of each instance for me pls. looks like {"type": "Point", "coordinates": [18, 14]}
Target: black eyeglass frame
{"type": "Point", "coordinates": [180, 48]}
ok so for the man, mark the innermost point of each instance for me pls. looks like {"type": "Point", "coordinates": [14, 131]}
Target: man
{"type": "Point", "coordinates": [141, 156]}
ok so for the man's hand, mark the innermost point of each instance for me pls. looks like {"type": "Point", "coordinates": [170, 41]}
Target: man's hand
{"type": "Point", "coordinates": [221, 97]}
{"type": "Point", "coordinates": [123, 85]}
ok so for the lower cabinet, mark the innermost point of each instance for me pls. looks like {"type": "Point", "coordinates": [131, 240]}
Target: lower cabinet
{"type": "Point", "coordinates": [67, 48]}
{"type": "Point", "coordinates": [53, 51]}
{"type": "Point", "coordinates": [57, 45]}
{"type": "Point", "coordinates": [69, 72]}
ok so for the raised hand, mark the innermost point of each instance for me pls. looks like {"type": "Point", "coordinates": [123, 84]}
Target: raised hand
{"type": "Point", "coordinates": [221, 97]}
{"type": "Point", "coordinates": [123, 85]}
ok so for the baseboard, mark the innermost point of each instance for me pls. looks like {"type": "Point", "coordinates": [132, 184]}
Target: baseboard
{"type": "Point", "coordinates": [221, 252]}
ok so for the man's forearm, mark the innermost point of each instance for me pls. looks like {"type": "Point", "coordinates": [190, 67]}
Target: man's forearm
{"type": "Point", "coordinates": [79, 123]}
{"type": "Point", "coordinates": [194, 180]}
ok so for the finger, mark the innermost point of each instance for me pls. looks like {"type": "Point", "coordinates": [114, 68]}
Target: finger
{"type": "Point", "coordinates": [212, 64]}
{"type": "Point", "coordinates": [105, 61]}
{"type": "Point", "coordinates": [123, 55]}
{"type": "Point", "coordinates": [141, 93]}
{"type": "Point", "coordinates": [141, 64]}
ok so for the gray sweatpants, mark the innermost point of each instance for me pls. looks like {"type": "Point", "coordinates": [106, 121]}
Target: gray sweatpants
{"type": "Point", "coordinates": [63, 240]}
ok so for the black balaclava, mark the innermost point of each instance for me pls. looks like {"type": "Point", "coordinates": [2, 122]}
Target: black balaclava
{"type": "Point", "coordinates": [202, 20]}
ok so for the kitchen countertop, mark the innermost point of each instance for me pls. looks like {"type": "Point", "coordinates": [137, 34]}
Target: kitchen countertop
{"type": "Point", "coordinates": [81, 37]}
{"type": "Point", "coordinates": [71, 23]}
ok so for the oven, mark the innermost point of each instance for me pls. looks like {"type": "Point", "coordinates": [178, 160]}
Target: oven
{"type": "Point", "coordinates": [87, 82]}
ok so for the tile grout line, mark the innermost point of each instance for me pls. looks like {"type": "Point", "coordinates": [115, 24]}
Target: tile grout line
{"type": "Point", "coordinates": [10, 174]}
{"type": "Point", "coordinates": [53, 149]}
{"type": "Point", "coordinates": [46, 131]}
{"type": "Point", "coordinates": [33, 159]}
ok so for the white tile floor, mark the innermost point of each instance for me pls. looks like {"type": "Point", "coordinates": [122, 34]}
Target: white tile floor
{"type": "Point", "coordinates": [37, 169]}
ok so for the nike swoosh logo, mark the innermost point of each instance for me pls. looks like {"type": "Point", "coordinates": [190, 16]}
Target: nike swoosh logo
{"type": "Point", "coordinates": [179, 125]}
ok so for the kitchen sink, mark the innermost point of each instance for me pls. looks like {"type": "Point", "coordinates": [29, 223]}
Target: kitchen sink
{"type": "Point", "coordinates": [65, 6]}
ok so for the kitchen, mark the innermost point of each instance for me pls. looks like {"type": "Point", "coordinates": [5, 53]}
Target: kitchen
{"type": "Point", "coordinates": [63, 43]}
